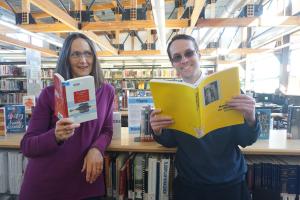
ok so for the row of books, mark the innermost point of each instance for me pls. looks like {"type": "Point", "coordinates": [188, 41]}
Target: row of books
{"type": "Point", "coordinates": [140, 73]}
{"type": "Point", "coordinates": [47, 73]}
{"type": "Point", "coordinates": [274, 173]}
{"type": "Point", "coordinates": [12, 167]}
{"type": "Point", "coordinates": [13, 84]}
{"type": "Point", "coordinates": [11, 70]}
{"type": "Point", "coordinates": [11, 98]}
{"type": "Point", "coordinates": [130, 84]}
{"type": "Point", "coordinates": [139, 176]}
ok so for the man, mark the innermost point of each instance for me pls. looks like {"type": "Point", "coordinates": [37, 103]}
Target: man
{"type": "Point", "coordinates": [212, 167]}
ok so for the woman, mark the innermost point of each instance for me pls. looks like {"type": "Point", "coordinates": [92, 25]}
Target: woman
{"type": "Point", "coordinates": [65, 158]}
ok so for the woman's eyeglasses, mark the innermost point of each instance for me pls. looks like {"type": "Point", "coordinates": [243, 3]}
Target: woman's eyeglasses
{"type": "Point", "coordinates": [78, 54]}
{"type": "Point", "coordinates": [178, 57]}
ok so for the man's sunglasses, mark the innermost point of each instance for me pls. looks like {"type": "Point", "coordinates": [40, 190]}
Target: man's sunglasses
{"type": "Point", "coordinates": [178, 57]}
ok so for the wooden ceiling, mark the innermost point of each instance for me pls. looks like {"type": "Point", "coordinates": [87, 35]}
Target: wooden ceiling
{"type": "Point", "coordinates": [110, 26]}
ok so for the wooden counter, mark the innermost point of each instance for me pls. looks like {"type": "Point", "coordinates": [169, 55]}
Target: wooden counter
{"type": "Point", "coordinates": [11, 141]}
{"type": "Point", "coordinates": [276, 145]}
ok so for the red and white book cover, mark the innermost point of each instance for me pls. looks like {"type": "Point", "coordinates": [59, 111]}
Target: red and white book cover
{"type": "Point", "coordinates": [75, 98]}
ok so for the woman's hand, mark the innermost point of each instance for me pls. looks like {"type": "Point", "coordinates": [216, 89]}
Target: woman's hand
{"type": "Point", "coordinates": [93, 165]}
{"type": "Point", "coordinates": [246, 105]}
{"type": "Point", "coordinates": [158, 122]}
{"type": "Point", "coordinates": [64, 129]}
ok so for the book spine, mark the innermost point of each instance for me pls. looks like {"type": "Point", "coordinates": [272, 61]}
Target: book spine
{"type": "Point", "coordinates": [164, 178]}
{"type": "Point", "coordinates": [122, 183]}
{"type": "Point", "coordinates": [157, 197]}
{"type": "Point", "coordinates": [107, 171]}
{"type": "Point", "coordinates": [138, 176]}
{"type": "Point", "coordinates": [151, 178]}
{"type": "Point", "coordinates": [65, 104]}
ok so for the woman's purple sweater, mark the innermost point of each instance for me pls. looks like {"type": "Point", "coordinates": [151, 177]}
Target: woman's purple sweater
{"type": "Point", "coordinates": [54, 171]}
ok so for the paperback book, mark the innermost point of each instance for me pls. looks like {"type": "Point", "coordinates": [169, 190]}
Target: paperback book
{"type": "Point", "coordinates": [15, 118]}
{"type": "Point", "coordinates": [75, 98]}
{"type": "Point", "coordinates": [264, 117]}
{"type": "Point", "coordinates": [198, 110]}
{"type": "Point", "coordinates": [29, 102]}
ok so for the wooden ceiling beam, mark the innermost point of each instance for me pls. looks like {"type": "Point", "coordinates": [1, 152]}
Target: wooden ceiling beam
{"type": "Point", "coordinates": [77, 4]}
{"type": "Point", "coordinates": [247, 51]}
{"type": "Point", "coordinates": [130, 53]}
{"type": "Point", "coordinates": [214, 51]}
{"type": "Point", "coordinates": [56, 12]}
{"type": "Point", "coordinates": [47, 28]}
{"type": "Point", "coordinates": [40, 15]}
{"type": "Point", "coordinates": [71, 23]}
{"type": "Point", "coordinates": [11, 41]}
{"type": "Point", "coordinates": [106, 26]}
{"type": "Point", "coordinates": [195, 15]}
{"type": "Point", "coordinates": [140, 52]}
{"type": "Point", "coordinates": [102, 43]}
{"type": "Point", "coordinates": [250, 22]}
{"type": "Point", "coordinates": [133, 25]}
{"type": "Point", "coordinates": [26, 6]}
{"type": "Point", "coordinates": [5, 6]}
{"type": "Point", "coordinates": [206, 52]}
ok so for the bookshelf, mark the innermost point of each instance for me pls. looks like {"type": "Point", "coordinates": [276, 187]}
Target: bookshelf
{"type": "Point", "coordinates": [47, 72]}
{"type": "Point", "coordinates": [257, 154]}
{"type": "Point", "coordinates": [13, 84]}
{"type": "Point", "coordinates": [134, 79]}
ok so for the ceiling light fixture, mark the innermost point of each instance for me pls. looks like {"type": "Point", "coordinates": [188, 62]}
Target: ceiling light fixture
{"type": "Point", "coordinates": [38, 36]}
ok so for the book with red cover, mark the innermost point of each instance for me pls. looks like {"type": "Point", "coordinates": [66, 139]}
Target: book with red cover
{"type": "Point", "coordinates": [75, 98]}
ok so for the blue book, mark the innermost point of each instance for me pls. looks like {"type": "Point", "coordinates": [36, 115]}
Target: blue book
{"type": "Point", "coordinates": [15, 118]}
{"type": "Point", "coordinates": [264, 117]}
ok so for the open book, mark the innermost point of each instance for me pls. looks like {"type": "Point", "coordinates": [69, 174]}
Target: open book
{"type": "Point", "coordinates": [75, 98]}
{"type": "Point", "coordinates": [198, 110]}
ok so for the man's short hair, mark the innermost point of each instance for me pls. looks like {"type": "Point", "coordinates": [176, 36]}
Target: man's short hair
{"type": "Point", "coordinates": [182, 37]}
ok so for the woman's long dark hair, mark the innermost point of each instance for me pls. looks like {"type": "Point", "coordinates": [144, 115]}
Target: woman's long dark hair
{"type": "Point", "coordinates": [63, 66]}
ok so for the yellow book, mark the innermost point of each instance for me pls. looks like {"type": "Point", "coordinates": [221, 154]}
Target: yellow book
{"type": "Point", "coordinates": [198, 110]}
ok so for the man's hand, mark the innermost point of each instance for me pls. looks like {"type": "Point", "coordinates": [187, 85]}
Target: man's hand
{"type": "Point", "coordinates": [158, 122]}
{"type": "Point", "coordinates": [93, 165]}
{"type": "Point", "coordinates": [246, 105]}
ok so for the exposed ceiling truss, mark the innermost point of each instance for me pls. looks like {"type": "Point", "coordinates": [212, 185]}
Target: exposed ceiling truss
{"type": "Point", "coordinates": [135, 27]}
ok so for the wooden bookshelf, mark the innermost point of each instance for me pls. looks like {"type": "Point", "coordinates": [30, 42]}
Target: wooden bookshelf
{"type": "Point", "coordinates": [273, 146]}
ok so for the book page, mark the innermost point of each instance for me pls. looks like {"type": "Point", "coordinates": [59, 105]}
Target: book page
{"type": "Point", "coordinates": [81, 99]}
{"type": "Point", "coordinates": [179, 101]}
{"type": "Point", "coordinates": [215, 91]}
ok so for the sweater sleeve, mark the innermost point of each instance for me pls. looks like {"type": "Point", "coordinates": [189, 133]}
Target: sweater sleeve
{"type": "Point", "coordinates": [104, 138]}
{"type": "Point", "coordinates": [39, 140]}
{"type": "Point", "coordinates": [167, 138]}
{"type": "Point", "coordinates": [246, 135]}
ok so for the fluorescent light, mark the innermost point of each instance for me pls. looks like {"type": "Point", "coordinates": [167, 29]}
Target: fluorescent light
{"type": "Point", "coordinates": [39, 36]}
{"type": "Point", "coordinates": [158, 10]}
